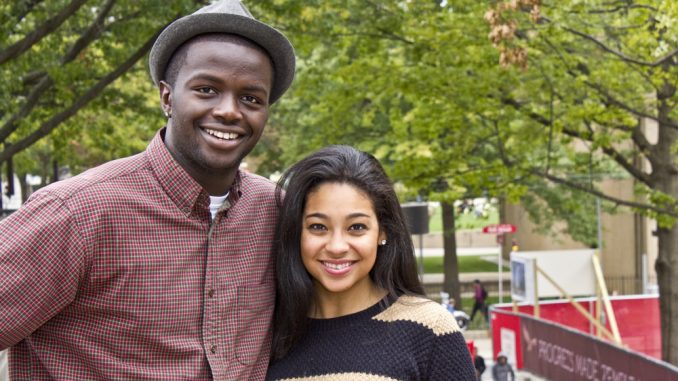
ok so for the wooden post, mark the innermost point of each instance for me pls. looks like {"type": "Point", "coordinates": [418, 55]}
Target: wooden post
{"type": "Point", "coordinates": [579, 307]}
{"type": "Point", "coordinates": [606, 299]}
{"type": "Point", "coordinates": [536, 289]}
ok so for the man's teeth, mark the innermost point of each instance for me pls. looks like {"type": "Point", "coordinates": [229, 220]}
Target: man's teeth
{"type": "Point", "coordinates": [222, 135]}
{"type": "Point", "coordinates": [337, 266]}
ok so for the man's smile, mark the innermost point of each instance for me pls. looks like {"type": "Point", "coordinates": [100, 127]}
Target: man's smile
{"type": "Point", "coordinates": [221, 135]}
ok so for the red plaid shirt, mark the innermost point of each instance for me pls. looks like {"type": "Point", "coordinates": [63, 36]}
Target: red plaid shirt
{"type": "Point", "coordinates": [118, 274]}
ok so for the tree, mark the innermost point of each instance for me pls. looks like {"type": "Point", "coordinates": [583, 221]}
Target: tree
{"type": "Point", "coordinates": [403, 81]}
{"type": "Point", "coordinates": [59, 63]}
{"type": "Point", "coordinates": [419, 84]}
{"type": "Point", "coordinates": [596, 74]}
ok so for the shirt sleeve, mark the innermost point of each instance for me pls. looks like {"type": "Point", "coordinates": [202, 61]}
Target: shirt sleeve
{"type": "Point", "coordinates": [450, 358]}
{"type": "Point", "coordinates": [41, 260]}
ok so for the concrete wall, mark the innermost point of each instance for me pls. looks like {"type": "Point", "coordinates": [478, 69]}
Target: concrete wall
{"type": "Point", "coordinates": [626, 236]}
{"type": "Point", "coordinates": [465, 238]}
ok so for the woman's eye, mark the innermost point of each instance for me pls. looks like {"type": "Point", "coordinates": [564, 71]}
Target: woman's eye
{"type": "Point", "coordinates": [316, 227]}
{"type": "Point", "coordinates": [357, 227]}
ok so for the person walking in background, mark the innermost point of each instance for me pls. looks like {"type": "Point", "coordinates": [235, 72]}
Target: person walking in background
{"type": "Point", "coordinates": [501, 370]}
{"type": "Point", "coordinates": [479, 297]}
{"type": "Point", "coordinates": [479, 364]}
{"type": "Point", "coordinates": [349, 303]}
{"type": "Point", "coordinates": [158, 266]}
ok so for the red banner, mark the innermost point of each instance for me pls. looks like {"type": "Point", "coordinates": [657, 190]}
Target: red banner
{"type": "Point", "coordinates": [558, 353]}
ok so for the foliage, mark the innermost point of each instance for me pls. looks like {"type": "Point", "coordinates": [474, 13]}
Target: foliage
{"type": "Point", "coordinates": [514, 99]}
{"type": "Point", "coordinates": [522, 99]}
{"type": "Point", "coordinates": [75, 87]}
{"type": "Point", "coordinates": [464, 221]}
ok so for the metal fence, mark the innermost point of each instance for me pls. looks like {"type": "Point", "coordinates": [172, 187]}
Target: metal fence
{"type": "Point", "coordinates": [619, 285]}
{"type": "Point", "coordinates": [626, 285]}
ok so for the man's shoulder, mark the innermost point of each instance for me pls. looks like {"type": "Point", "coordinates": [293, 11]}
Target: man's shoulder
{"type": "Point", "coordinates": [107, 177]}
{"type": "Point", "coordinates": [255, 184]}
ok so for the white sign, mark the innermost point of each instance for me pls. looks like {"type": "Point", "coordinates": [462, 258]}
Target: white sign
{"type": "Point", "coordinates": [508, 344]}
{"type": "Point", "coordinates": [571, 269]}
{"type": "Point", "coordinates": [522, 279]}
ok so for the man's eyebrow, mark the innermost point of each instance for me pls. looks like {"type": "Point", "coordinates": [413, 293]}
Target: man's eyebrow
{"type": "Point", "coordinates": [214, 78]}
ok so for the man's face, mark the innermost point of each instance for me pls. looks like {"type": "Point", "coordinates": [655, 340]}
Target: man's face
{"type": "Point", "coordinates": [219, 106]}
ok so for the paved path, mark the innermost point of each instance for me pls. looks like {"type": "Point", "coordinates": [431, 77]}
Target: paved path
{"type": "Point", "coordinates": [483, 343]}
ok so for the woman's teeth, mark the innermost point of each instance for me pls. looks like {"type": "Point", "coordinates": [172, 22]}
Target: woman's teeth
{"type": "Point", "coordinates": [337, 266]}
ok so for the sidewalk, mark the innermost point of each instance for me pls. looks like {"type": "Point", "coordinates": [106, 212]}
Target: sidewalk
{"type": "Point", "coordinates": [483, 343]}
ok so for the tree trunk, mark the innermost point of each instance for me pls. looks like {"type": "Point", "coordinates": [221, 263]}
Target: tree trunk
{"type": "Point", "coordinates": [667, 258]}
{"type": "Point", "coordinates": [665, 175]}
{"type": "Point", "coordinates": [26, 189]}
{"type": "Point", "coordinates": [451, 283]}
{"type": "Point", "coordinates": [666, 266]}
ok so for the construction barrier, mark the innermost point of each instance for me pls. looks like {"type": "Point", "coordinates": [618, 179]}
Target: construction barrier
{"type": "Point", "coordinates": [561, 345]}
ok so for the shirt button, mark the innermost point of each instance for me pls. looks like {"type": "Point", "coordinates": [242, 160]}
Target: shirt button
{"type": "Point", "coordinates": [210, 293]}
{"type": "Point", "coordinates": [213, 349]}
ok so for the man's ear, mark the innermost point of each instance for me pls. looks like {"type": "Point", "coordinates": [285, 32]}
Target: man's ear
{"type": "Point", "coordinates": [165, 97]}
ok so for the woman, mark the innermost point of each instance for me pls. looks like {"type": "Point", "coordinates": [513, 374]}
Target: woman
{"type": "Point", "coordinates": [348, 304]}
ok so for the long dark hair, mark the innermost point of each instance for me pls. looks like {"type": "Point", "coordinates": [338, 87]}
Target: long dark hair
{"type": "Point", "coordinates": [395, 268]}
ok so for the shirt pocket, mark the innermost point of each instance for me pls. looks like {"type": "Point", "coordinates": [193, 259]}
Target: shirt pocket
{"type": "Point", "coordinates": [255, 314]}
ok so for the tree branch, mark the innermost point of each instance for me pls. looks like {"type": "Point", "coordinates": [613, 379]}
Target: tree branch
{"type": "Point", "coordinates": [92, 33]}
{"type": "Point", "coordinates": [45, 82]}
{"type": "Point", "coordinates": [31, 102]}
{"type": "Point", "coordinates": [612, 101]}
{"type": "Point", "coordinates": [637, 136]}
{"type": "Point", "coordinates": [619, 54]}
{"type": "Point", "coordinates": [616, 156]}
{"type": "Point", "coordinates": [36, 35]}
{"type": "Point", "coordinates": [81, 102]}
{"type": "Point", "coordinates": [616, 201]}
{"type": "Point", "coordinates": [28, 7]}
{"type": "Point", "coordinates": [620, 7]}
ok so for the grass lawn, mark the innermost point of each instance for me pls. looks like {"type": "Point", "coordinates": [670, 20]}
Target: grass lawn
{"type": "Point", "coordinates": [479, 320]}
{"type": "Point", "coordinates": [467, 264]}
{"type": "Point", "coordinates": [463, 221]}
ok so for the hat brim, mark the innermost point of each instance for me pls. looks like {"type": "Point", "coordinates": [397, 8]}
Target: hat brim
{"type": "Point", "coordinates": [272, 41]}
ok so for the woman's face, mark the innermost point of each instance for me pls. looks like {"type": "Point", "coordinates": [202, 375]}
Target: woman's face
{"type": "Point", "coordinates": [339, 239]}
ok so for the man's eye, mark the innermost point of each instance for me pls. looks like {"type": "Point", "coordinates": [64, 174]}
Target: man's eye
{"type": "Point", "coordinates": [205, 90]}
{"type": "Point", "coordinates": [250, 99]}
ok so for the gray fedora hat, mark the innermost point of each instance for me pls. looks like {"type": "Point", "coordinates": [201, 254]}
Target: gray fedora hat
{"type": "Point", "coordinates": [226, 16]}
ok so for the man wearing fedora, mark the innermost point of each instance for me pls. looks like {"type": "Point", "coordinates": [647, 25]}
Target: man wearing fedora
{"type": "Point", "coordinates": [158, 266]}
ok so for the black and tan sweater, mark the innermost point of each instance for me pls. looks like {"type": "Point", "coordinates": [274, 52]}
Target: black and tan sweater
{"type": "Point", "coordinates": [412, 339]}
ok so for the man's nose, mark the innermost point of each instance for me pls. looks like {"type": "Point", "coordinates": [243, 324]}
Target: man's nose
{"type": "Point", "coordinates": [228, 108]}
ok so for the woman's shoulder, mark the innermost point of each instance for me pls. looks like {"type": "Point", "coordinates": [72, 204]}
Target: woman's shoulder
{"type": "Point", "coordinates": [421, 311]}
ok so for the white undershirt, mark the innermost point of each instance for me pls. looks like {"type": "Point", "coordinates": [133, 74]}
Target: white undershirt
{"type": "Point", "coordinates": [215, 203]}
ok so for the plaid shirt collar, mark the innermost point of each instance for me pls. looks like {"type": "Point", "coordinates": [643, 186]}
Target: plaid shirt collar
{"type": "Point", "coordinates": [180, 187]}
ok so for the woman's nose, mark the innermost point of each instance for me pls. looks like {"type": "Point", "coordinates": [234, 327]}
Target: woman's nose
{"type": "Point", "coordinates": [337, 243]}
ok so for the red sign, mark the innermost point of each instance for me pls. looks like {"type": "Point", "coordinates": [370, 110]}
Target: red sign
{"type": "Point", "coordinates": [499, 229]}
{"type": "Point", "coordinates": [556, 353]}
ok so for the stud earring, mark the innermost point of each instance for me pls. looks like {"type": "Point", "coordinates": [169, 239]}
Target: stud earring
{"type": "Point", "coordinates": [168, 114]}
{"type": "Point", "coordinates": [382, 242]}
